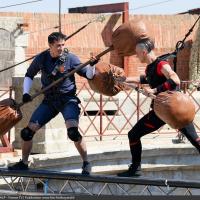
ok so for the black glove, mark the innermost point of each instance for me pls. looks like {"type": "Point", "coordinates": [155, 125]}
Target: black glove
{"type": "Point", "coordinates": [26, 98]}
{"type": "Point", "coordinates": [94, 61]}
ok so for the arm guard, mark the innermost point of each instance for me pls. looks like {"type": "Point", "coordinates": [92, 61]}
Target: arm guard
{"type": "Point", "coordinates": [27, 85]}
{"type": "Point", "coordinates": [169, 84]}
{"type": "Point", "coordinates": [90, 72]}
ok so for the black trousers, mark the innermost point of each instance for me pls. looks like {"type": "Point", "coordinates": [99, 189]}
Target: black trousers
{"type": "Point", "coordinates": [149, 123]}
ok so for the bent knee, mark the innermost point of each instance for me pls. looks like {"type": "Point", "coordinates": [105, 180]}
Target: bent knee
{"type": "Point", "coordinates": [132, 136]}
{"type": "Point", "coordinates": [27, 134]}
{"type": "Point", "coordinates": [34, 126]}
{"type": "Point", "coordinates": [74, 134]}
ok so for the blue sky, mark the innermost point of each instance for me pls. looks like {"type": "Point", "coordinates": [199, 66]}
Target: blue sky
{"type": "Point", "coordinates": [135, 6]}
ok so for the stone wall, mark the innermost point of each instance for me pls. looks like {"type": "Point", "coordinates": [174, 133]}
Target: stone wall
{"type": "Point", "coordinates": [12, 48]}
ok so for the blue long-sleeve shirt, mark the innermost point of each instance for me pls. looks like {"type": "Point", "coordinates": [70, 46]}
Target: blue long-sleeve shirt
{"type": "Point", "coordinates": [45, 64]}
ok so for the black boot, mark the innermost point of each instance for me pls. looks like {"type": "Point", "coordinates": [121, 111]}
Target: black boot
{"type": "Point", "coordinates": [133, 170]}
{"type": "Point", "coordinates": [18, 166]}
{"type": "Point", "coordinates": [86, 168]}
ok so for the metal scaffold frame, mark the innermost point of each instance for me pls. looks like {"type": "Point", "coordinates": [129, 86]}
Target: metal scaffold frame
{"type": "Point", "coordinates": [42, 182]}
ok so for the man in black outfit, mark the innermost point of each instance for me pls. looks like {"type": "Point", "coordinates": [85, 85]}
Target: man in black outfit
{"type": "Point", "coordinates": [160, 77]}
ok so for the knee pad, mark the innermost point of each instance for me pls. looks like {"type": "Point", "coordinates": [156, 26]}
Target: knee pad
{"type": "Point", "coordinates": [27, 134]}
{"type": "Point", "coordinates": [74, 134]}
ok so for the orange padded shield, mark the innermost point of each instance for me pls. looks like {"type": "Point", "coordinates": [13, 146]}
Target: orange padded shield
{"type": "Point", "coordinates": [127, 35]}
{"type": "Point", "coordinates": [174, 108]}
{"type": "Point", "coordinates": [103, 81]}
{"type": "Point", "coordinates": [9, 116]}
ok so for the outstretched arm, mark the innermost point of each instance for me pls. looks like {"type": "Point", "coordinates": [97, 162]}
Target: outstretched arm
{"type": "Point", "coordinates": [133, 79]}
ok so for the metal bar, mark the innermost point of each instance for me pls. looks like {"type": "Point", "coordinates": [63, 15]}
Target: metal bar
{"type": "Point", "coordinates": [138, 106]}
{"type": "Point", "coordinates": [10, 96]}
{"type": "Point", "coordinates": [67, 75]}
{"type": "Point", "coordinates": [105, 8]}
{"type": "Point", "coordinates": [60, 16]}
{"type": "Point", "coordinates": [101, 117]}
{"type": "Point", "coordinates": [125, 18]}
{"type": "Point", "coordinates": [47, 174]}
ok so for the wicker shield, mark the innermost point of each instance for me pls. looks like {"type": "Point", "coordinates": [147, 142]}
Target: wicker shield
{"type": "Point", "coordinates": [9, 115]}
{"type": "Point", "coordinates": [174, 108]}
{"type": "Point", "coordinates": [104, 82]}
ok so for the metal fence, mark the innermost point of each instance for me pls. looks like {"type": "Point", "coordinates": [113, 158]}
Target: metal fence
{"type": "Point", "coordinates": [103, 115]}
{"type": "Point", "coordinates": [34, 182]}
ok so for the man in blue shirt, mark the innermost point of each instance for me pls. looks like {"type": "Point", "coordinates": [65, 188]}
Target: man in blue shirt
{"type": "Point", "coordinates": [54, 64]}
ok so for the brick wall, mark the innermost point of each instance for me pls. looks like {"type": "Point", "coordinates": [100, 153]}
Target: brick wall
{"type": "Point", "coordinates": [167, 30]}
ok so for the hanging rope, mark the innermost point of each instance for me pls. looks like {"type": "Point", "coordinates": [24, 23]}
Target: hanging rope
{"type": "Point", "coordinates": [19, 4]}
{"type": "Point", "coordinates": [179, 46]}
{"type": "Point", "coordinates": [100, 18]}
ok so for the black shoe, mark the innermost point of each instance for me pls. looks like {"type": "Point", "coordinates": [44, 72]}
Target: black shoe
{"type": "Point", "coordinates": [133, 170]}
{"type": "Point", "coordinates": [86, 168]}
{"type": "Point", "coordinates": [18, 166]}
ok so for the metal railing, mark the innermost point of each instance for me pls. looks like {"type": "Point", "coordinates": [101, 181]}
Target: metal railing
{"type": "Point", "coordinates": [116, 114]}
{"type": "Point", "coordinates": [45, 182]}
